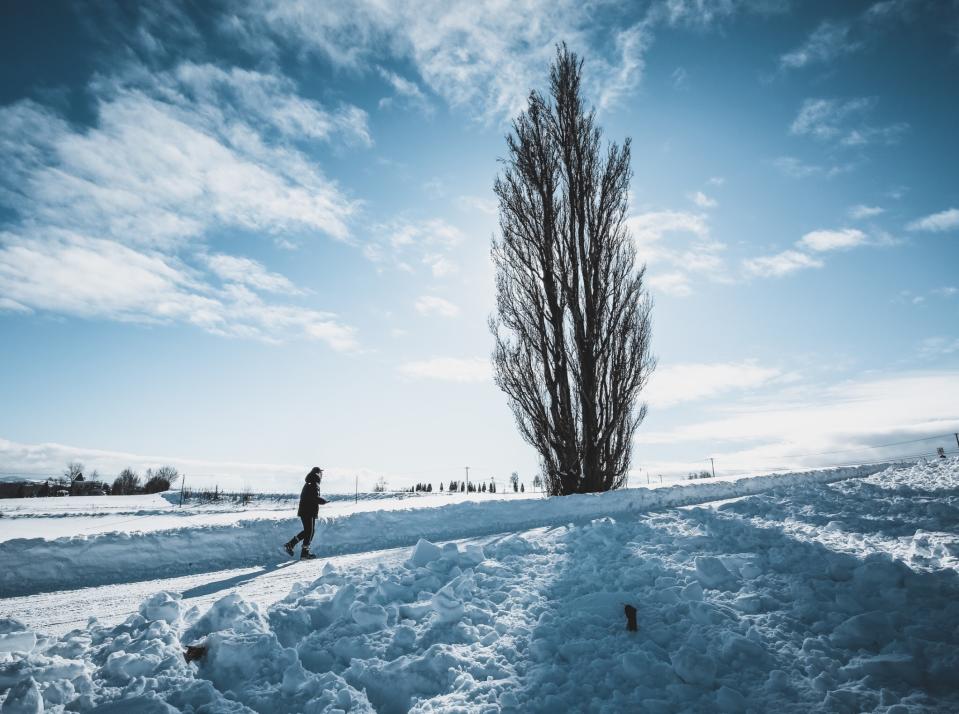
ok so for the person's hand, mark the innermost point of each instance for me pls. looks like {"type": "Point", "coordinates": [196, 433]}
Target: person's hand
{"type": "Point", "coordinates": [323, 501]}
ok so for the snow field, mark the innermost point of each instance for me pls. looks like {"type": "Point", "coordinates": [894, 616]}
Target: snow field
{"type": "Point", "coordinates": [735, 614]}
{"type": "Point", "coordinates": [35, 565]}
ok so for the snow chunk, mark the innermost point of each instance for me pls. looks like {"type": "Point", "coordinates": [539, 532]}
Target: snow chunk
{"type": "Point", "coordinates": [448, 608]}
{"type": "Point", "coordinates": [693, 667]}
{"type": "Point", "coordinates": [425, 553]}
{"type": "Point", "coordinates": [369, 616]}
{"type": "Point", "coordinates": [711, 572]}
{"type": "Point", "coordinates": [162, 606]}
{"type": "Point", "coordinates": [24, 698]}
{"type": "Point", "coordinates": [865, 631]}
{"type": "Point", "coordinates": [23, 641]}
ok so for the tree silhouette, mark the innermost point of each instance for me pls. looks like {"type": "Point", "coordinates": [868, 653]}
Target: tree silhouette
{"type": "Point", "coordinates": [572, 325]}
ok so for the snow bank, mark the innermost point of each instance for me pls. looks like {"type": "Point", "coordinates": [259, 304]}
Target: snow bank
{"type": "Point", "coordinates": [36, 565]}
{"type": "Point", "coordinates": [734, 615]}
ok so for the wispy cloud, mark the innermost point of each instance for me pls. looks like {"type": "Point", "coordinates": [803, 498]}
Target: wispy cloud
{"type": "Point", "coordinates": [794, 167]}
{"type": "Point", "coordinates": [434, 305]}
{"type": "Point", "coordinates": [784, 263]}
{"type": "Point", "coordinates": [933, 347]}
{"type": "Point", "coordinates": [675, 283]}
{"type": "Point", "coordinates": [842, 121]}
{"type": "Point", "coordinates": [861, 211]}
{"type": "Point", "coordinates": [405, 92]}
{"type": "Point", "coordinates": [702, 200]}
{"type": "Point", "coordinates": [403, 243]}
{"type": "Point", "coordinates": [835, 38]}
{"type": "Point", "coordinates": [690, 249]}
{"type": "Point", "coordinates": [827, 42]}
{"type": "Point", "coordinates": [236, 269]}
{"type": "Point", "coordinates": [680, 383]}
{"type": "Point", "coordinates": [937, 222]}
{"type": "Point", "coordinates": [449, 369]}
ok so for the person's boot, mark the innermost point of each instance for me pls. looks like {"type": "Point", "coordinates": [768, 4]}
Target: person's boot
{"type": "Point", "coordinates": [288, 547]}
{"type": "Point", "coordinates": [305, 554]}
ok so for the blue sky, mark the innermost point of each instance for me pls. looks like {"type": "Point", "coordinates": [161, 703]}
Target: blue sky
{"type": "Point", "coordinates": [253, 237]}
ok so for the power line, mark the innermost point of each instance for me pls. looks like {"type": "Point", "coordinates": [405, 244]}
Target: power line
{"type": "Point", "coordinates": [877, 446]}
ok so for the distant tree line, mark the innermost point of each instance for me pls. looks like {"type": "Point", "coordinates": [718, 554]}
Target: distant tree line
{"type": "Point", "coordinates": [75, 482]}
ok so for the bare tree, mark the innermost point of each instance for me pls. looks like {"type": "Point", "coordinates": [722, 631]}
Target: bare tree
{"type": "Point", "coordinates": [128, 482]}
{"type": "Point", "coordinates": [162, 479]}
{"type": "Point", "coordinates": [572, 326]}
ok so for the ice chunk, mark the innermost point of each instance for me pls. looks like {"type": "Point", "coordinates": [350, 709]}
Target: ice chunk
{"type": "Point", "coordinates": [448, 608]}
{"type": "Point", "coordinates": [162, 606]}
{"type": "Point", "coordinates": [425, 552]}
{"type": "Point", "coordinates": [24, 698]}
{"type": "Point", "coordinates": [693, 591]}
{"type": "Point", "coordinates": [18, 641]}
{"type": "Point", "coordinates": [729, 700]}
{"type": "Point", "coordinates": [693, 667]}
{"type": "Point", "coordinates": [369, 616]}
{"type": "Point", "coordinates": [711, 572]}
{"type": "Point", "coordinates": [863, 631]}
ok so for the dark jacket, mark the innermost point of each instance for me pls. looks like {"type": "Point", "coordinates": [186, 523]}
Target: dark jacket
{"type": "Point", "coordinates": [310, 500]}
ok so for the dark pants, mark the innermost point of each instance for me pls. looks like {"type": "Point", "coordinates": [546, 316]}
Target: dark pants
{"type": "Point", "coordinates": [306, 535]}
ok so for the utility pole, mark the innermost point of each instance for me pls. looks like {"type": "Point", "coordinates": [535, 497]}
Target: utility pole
{"type": "Point", "coordinates": [467, 479]}
{"type": "Point", "coordinates": [182, 481]}
{"type": "Point", "coordinates": [356, 486]}
{"type": "Point", "coordinates": [713, 465]}
{"type": "Point", "coordinates": [957, 438]}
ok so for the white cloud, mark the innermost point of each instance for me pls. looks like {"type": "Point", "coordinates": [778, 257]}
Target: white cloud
{"type": "Point", "coordinates": [793, 427]}
{"type": "Point", "coordinates": [861, 211]}
{"type": "Point", "coordinates": [408, 92]}
{"type": "Point", "coordinates": [75, 275]}
{"type": "Point", "coordinates": [671, 283]}
{"type": "Point", "coordinates": [236, 269]}
{"type": "Point", "coordinates": [831, 119]}
{"type": "Point", "coordinates": [114, 218]}
{"type": "Point", "coordinates": [827, 42]}
{"type": "Point", "coordinates": [676, 384]}
{"type": "Point", "coordinates": [402, 241]}
{"type": "Point", "coordinates": [690, 248]}
{"type": "Point", "coordinates": [478, 203]}
{"type": "Point", "coordinates": [946, 292]}
{"type": "Point", "coordinates": [702, 200]}
{"type": "Point", "coordinates": [450, 369]}
{"type": "Point", "coordinates": [433, 305]}
{"type": "Point", "coordinates": [484, 56]}
{"type": "Point", "coordinates": [797, 168]}
{"type": "Point", "coordinates": [48, 459]}
{"type": "Point", "coordinates": [933, 347]}
{"type": "Point", "coordinates": [789, 261]}
{"type": "Point", "coordinates": [937, 222]}
{"type": "Point", "coordinates": [650, 227]}
{"type": "Point", "coordinates": [825, 240]}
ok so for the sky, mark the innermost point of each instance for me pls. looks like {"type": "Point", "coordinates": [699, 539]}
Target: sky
{"type": "Point", "coordinates": [246, 238]}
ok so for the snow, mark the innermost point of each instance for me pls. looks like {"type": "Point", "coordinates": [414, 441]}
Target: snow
{"type": "Point", "coordinates": [32, 565]}
{"type": "Point", "coordinates": [739, 609]}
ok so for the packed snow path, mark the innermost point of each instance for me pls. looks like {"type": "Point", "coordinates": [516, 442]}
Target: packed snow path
{"type": "Point", "coordinates": [834, 598]}
{"type": "Point", "coordinates": [37, 565]}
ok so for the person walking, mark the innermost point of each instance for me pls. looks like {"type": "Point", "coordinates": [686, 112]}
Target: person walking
{"type": "Point", "coordinates": [310, 502]}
